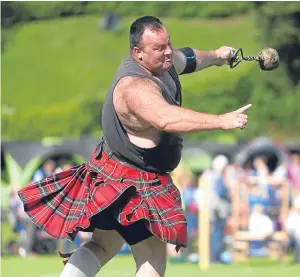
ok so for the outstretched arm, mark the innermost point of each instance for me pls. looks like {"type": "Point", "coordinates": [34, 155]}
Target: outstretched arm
{"type": "Point", "coordinates": [143, 99]}
{"type": "Point", "coordinates": [200, 59]}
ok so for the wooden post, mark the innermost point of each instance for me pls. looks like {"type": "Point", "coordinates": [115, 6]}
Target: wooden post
{"type": "Point", "coordinates": [235, 196]}
{"type": "Point", "coordinates": [204, 227]}
{"type": "Point", "coordinates": [283, 217]}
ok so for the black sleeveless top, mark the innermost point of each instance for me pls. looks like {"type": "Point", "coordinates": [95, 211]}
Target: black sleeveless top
{"type": "Point", "coordinates": [163, 158]}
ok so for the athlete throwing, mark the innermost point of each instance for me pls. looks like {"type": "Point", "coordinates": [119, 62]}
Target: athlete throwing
{"type": "Point", "coordinates": [125, 192]}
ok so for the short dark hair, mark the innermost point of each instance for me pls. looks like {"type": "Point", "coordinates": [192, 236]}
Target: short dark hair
{"type": "Point", "coordinates": [138, 27]}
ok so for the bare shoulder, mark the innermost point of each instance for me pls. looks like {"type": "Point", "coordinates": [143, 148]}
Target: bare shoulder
{"type": "Point", "coordinates": [133, 98]}
{"type": "Point", "coordinates": [132, 84]}
{"type": "Point", "coordinates": [135, 87]}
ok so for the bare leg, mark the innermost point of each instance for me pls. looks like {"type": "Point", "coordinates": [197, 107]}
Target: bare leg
{"type": "Point", "coordinates": [105, 244]}
{"type": "Point", "coordinates": [87, 260]}
{"type": "Point", "coordinates": [150, 257]}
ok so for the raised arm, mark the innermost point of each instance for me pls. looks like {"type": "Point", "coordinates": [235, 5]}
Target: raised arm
{"type": "Point", "coordinates": [189, 60]}
{"type": "Point", "coordinates": [144, 100]}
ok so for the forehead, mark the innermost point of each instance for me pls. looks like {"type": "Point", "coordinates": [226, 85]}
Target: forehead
{"type": "Point", "coordinates": [155, 37]}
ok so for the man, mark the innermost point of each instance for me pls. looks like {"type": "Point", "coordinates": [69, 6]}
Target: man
{"type": "Point", "coordinates": [47, 169]}
{"type": "Point", "coordinates": [220, 207]}
{"type": "Point", "coordinates": [125, 192]}
{"type": "Point", "coordinates": [294, 173]}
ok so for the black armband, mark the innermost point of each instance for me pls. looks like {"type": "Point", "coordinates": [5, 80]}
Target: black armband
{"type": "Point", "coordinates": [191, 60]}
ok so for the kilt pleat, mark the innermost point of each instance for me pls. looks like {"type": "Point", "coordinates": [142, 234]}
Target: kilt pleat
{"type": "Point", "coordinates": [64, 203]}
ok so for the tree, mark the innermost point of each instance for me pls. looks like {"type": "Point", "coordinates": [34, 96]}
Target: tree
{"type": "Point", "coordinates": [280, 25]}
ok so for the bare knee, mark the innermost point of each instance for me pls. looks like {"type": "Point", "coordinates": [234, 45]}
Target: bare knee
{"type": "Point", "coordinates": [98, 249]}
{"type": "Point", "coordinates": [150, 257]}
{"type": "Point", "coordinates": [105, 244]}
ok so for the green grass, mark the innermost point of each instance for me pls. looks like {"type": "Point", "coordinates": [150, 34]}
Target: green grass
{"type": "Point", "coordinates": [7, 235]}
{"type": "Point", "coordinates": [54, 62]}
{"type": "Point", "coordinates": [123, 266]}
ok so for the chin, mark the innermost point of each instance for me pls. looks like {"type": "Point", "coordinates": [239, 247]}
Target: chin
{"type": "Point", "coordinates": [168, 65]}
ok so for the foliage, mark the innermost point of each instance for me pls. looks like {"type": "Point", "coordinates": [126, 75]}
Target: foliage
{"type": "Point", "coordinates": [61, 83]}
{"type": "Point", "coordinates": [58, 87]}
{"type": "Point", "coordinates": [280, 28]}
{"type": "Point", "coordinates": [72, 119]}
{"type": "Point", "coordinates": [14, 12]}
{"type": "Point", "coordinates": [14, 175]}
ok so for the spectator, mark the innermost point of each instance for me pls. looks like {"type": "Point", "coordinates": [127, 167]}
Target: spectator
{"type": "Point", "coordinates": [260, 224]}
{"type": "Point", "coordinates": [189, 189]}
{"type": "Point", "coordinates": [293, 221]}
{"type": "Point", "coordinates": [21, 223]}
{"type": "Point", "coordinates": [234, 174]}
{"type": "Point", "coordinates": [46, 170]}
{"type": "Point", "coordinates": [256, 197]}
{"type": "Point", "coordinates": [261, 227]}
{"type": "Point", "coordinates": [65, 166]}
{"type": "Point", "coordinates": [294, 173]}
{"type": "Point", "coordinates": [220, 206]}
{"type": "Point", "coordinates": [261, 174]}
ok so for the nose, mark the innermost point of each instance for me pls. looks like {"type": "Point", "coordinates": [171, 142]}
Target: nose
{"type": "Point", "coordinates": [168, 51]}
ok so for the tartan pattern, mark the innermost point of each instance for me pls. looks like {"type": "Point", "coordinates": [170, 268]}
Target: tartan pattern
{"type": "Point", "coordinates": [64, 203]}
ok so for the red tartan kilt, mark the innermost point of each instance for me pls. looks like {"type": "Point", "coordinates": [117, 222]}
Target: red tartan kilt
{"type": "Point", "coordinates": [64, 203]}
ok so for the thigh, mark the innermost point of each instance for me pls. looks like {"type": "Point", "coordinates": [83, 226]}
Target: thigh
{"type": "Point", "coordinates": [150, 257]}
{"type": "Point", "coordinates": [105, 244]}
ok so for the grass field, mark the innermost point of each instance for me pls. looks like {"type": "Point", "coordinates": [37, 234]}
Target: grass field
{"type": "Point", "coordinates": [123, 266]}
{"type": "Point", "coordinates": [48, 63]}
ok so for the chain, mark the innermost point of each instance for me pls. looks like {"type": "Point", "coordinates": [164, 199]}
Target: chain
{"type": "Point", "coordinates": [235, 60]}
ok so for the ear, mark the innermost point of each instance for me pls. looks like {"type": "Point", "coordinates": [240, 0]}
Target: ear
{"type": "Point", "coordinates": [137, 52]}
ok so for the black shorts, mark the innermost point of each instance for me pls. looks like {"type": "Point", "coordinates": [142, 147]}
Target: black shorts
{"type": "Point", "coordinates": [107, 220]}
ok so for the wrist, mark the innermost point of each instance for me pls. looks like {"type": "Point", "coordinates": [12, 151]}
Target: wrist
{"type": "Point", "coordinates": [218, 60]}
{"type": "Point", "coordinates": [219, 120]}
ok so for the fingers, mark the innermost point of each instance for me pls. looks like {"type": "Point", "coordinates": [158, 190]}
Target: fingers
{"type": "Point", "coordinates": [242, 125]}
{"type": "Point", "coordinates": [235, 119]}
{"type": "Point", "coordinates": [225, 54]}
{"type": "Point", "coordinates": [242, 120]}
{"type": "Point", "coordinates": [242, 116]}
{"type": "Point", "coordinates": [232, 52]}
{"type": "Point", "coordinates": [243, 109]}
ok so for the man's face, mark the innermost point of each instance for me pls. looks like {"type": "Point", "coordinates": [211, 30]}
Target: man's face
{"type": "Point", "coordinates": [49, 167]}
{"type": "Point", "coordinates": [155, 50]}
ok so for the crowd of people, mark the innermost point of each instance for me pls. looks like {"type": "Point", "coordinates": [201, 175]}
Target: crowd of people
{"type": "Point", "coordinates": [260, 193]}
{"type": "Point", "coordinates": [243, 197]}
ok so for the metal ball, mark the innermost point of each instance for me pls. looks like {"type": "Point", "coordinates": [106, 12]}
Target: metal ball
{"type": "Point", "coordinates": [268, 59]}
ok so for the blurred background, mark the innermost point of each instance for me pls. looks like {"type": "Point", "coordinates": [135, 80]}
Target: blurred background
{"type": "Point", "coordinates": [58, 60]}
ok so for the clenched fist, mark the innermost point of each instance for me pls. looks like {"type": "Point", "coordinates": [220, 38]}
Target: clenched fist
{"type": "Point", "coordinates": [235, 119]}
{"type": "Point", "coordinates": [224, 54]}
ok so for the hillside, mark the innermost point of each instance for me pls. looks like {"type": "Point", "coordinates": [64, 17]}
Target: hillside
{"type": "Point", "coordinates": [53, 62]}
{"type": "Point", "coordinates": [56, 73]}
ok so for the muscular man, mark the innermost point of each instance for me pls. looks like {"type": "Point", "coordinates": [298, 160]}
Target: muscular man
{"type": "Point", "coordinates": [125, 192]}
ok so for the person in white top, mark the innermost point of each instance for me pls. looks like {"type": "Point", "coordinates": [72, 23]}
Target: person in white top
{"type": "Point", "coordinates": [293, 220]}
{"type": "Point", "coordinates": [260, 224]}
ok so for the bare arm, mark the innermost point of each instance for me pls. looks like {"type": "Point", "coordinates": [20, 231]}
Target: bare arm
{"type": "Point", "coordinates": [205, 58]}
{"type": "Point", "coordinates": [143, 98]}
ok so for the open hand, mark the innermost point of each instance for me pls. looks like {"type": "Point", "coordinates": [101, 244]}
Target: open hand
{"type": "Point", "coordinates": [235, 119]}
{"type": "Point", "coordinates": [224, 54]}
